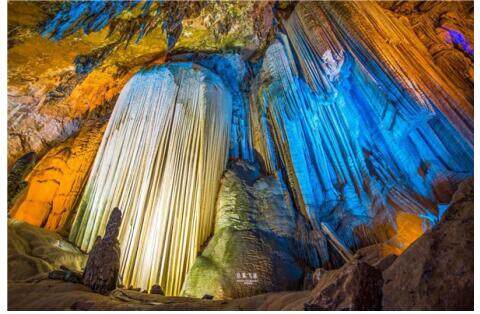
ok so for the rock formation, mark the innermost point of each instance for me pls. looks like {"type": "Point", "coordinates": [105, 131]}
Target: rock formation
{"type": "Point", "coordinates": [160, 160]}
{"type": "Point", "coordinates": [16, 176]}
{"type": "Point", "coordinates": [103, 264]}
{"type": "Point", "coordinates": [256, 246]}
{"type": "Point", "coordinates": [445, 30]}
{"type": "Point", "coordinates": [356, 159]}
{"type": "Point", "coordinates": [34, 252]}
{"type": "Point", "coordinates": [356, 286]}
{"type": "Point", "coordinates": [66, 274]}
{"type": "Point", "coordinates": [412, 282]}
{"type": "Point", "coordinates": [55, 184]}
{"type": "Point", "coordinates": [436, 271]}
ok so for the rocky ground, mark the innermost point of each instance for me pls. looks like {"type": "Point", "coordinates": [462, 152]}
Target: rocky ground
{"type": "Point", "coordinates": [434, 273]}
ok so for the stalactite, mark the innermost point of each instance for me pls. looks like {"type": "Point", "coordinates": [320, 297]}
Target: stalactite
{"type": "Point", "coordinates": [160, 162]}
{"type": "Point", "coordinates": [359, 134]}
{"type": "Point", "coordinates": [381, 43]}
{"type": "Point", "coordinates": [231, 68]}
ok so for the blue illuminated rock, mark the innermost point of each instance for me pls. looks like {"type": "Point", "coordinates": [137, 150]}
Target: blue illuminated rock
{"type": "Point", "coordinates": [358, 143]}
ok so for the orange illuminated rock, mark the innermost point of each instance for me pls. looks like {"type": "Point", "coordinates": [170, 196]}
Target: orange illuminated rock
{"type": "Point", "coordinates": [435, 23]}
{"type": "Point", "coordinates": [98, 88]}
{"type": "Point", "coordinates": [57, 180]}
{"type": "Point", "coordinates": [409, 228]}
{"type": "Point", "coordinates": [47, 99]}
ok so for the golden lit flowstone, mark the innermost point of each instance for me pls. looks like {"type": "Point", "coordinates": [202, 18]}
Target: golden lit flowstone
{"type": "Point", "coordinates": [160, 162]}
{"type": "Point", "coordinates": [57, 180]}
{"type": "Point", "coordinates": [446, 29]}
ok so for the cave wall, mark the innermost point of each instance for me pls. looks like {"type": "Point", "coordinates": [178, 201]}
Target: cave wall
{"type": "Point", "coordinates": [56, 183]}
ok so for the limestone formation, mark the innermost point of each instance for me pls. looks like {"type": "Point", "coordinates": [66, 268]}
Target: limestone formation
{"type": "Point", "coordinates": [401, 54]}
{"type": "Point", "coordinates": [17, 175]}
{"type": "Point", "coordinates": [160, 160]}
{"type": "Point", "coordinates": [156, 289]}
{"type": "Point", "coordinates": [103, 264]}
{"type": "Point", "coordinates": [54, 185]}
{"type": "Point", "coordinates": [34, 252]}
{"type": "Point", "coordinates": [411, 283]}
{"type": "Point", "coordinates": [66, 274]}
{"type": "Point", "coordinates": [378, 255]}
{"type": "Point", "coordinates": [348, 126]}
{"type": "Point", "coordinates": [317, 276]}
{"type": "Point", "coordinates": [445, 28]}
{"type": "Point", "coordinates": [256, 247]}
{"type": "Point", "coordinates": [357, 127]}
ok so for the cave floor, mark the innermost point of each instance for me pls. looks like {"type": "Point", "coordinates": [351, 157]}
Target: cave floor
{"type": "Point", "coordinates": [47, 294]}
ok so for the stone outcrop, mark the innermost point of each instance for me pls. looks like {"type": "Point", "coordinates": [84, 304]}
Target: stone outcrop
{"type": "Point", "coordinates": [378, 255]}
{"type": "Point", "coordinates": [156, 289]}
{"type": "Point", "coordinates": [436, 271]}
{"type": "Point", "coordinates": [66, 274]}
{"type": "Point", "coordinates": [33, 252]}
{"type": "Point", "coordinates": [103, 264]}
{"type": "Point", "coordinates": [254, 247]}
{"type": "Point", "coordinates": [356, 286]}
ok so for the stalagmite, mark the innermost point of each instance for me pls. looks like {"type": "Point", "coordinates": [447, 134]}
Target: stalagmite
{"type": "Point", "coordinates": [160, 161]}
{"type": "Point", "coordinates": [101, 270]}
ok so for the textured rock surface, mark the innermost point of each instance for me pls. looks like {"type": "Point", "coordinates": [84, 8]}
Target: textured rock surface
{"type": "Point", "coordinates": [33, 252]}
{"type": "Point", "coordinates": [389, 45]}
{"type": "Point", "coordinates": [436, 271]}
{"type": "Point", "coordinates": [54, 184]}
{"type": "Point", "coordinates": [17, 175]}
{"type": "Point", "coordinates": [38, 83]}
{"type": "Point", "coordinates": [160, 161]}
{"type": "Point", "coordinates": [356, 286]}
{"type": "Point", "coordinates": [156, 289]}
{"type": "Point", "coordinates": [378, 253]}
{"type": "Point", "coordinates": [66, 274]}
{"type": "Point", "coordinates": [94, 49]}
{"type": "Point", "coordinates": [254, 248]}
{"type": "Point", "coordinates": [445, 28]}
{"type": "Point", "coordinates": [59, 295]}
{"type": "Point", "coordinates": [361, 131]}
{"type": "Point", "coordinates": [103, 263]}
